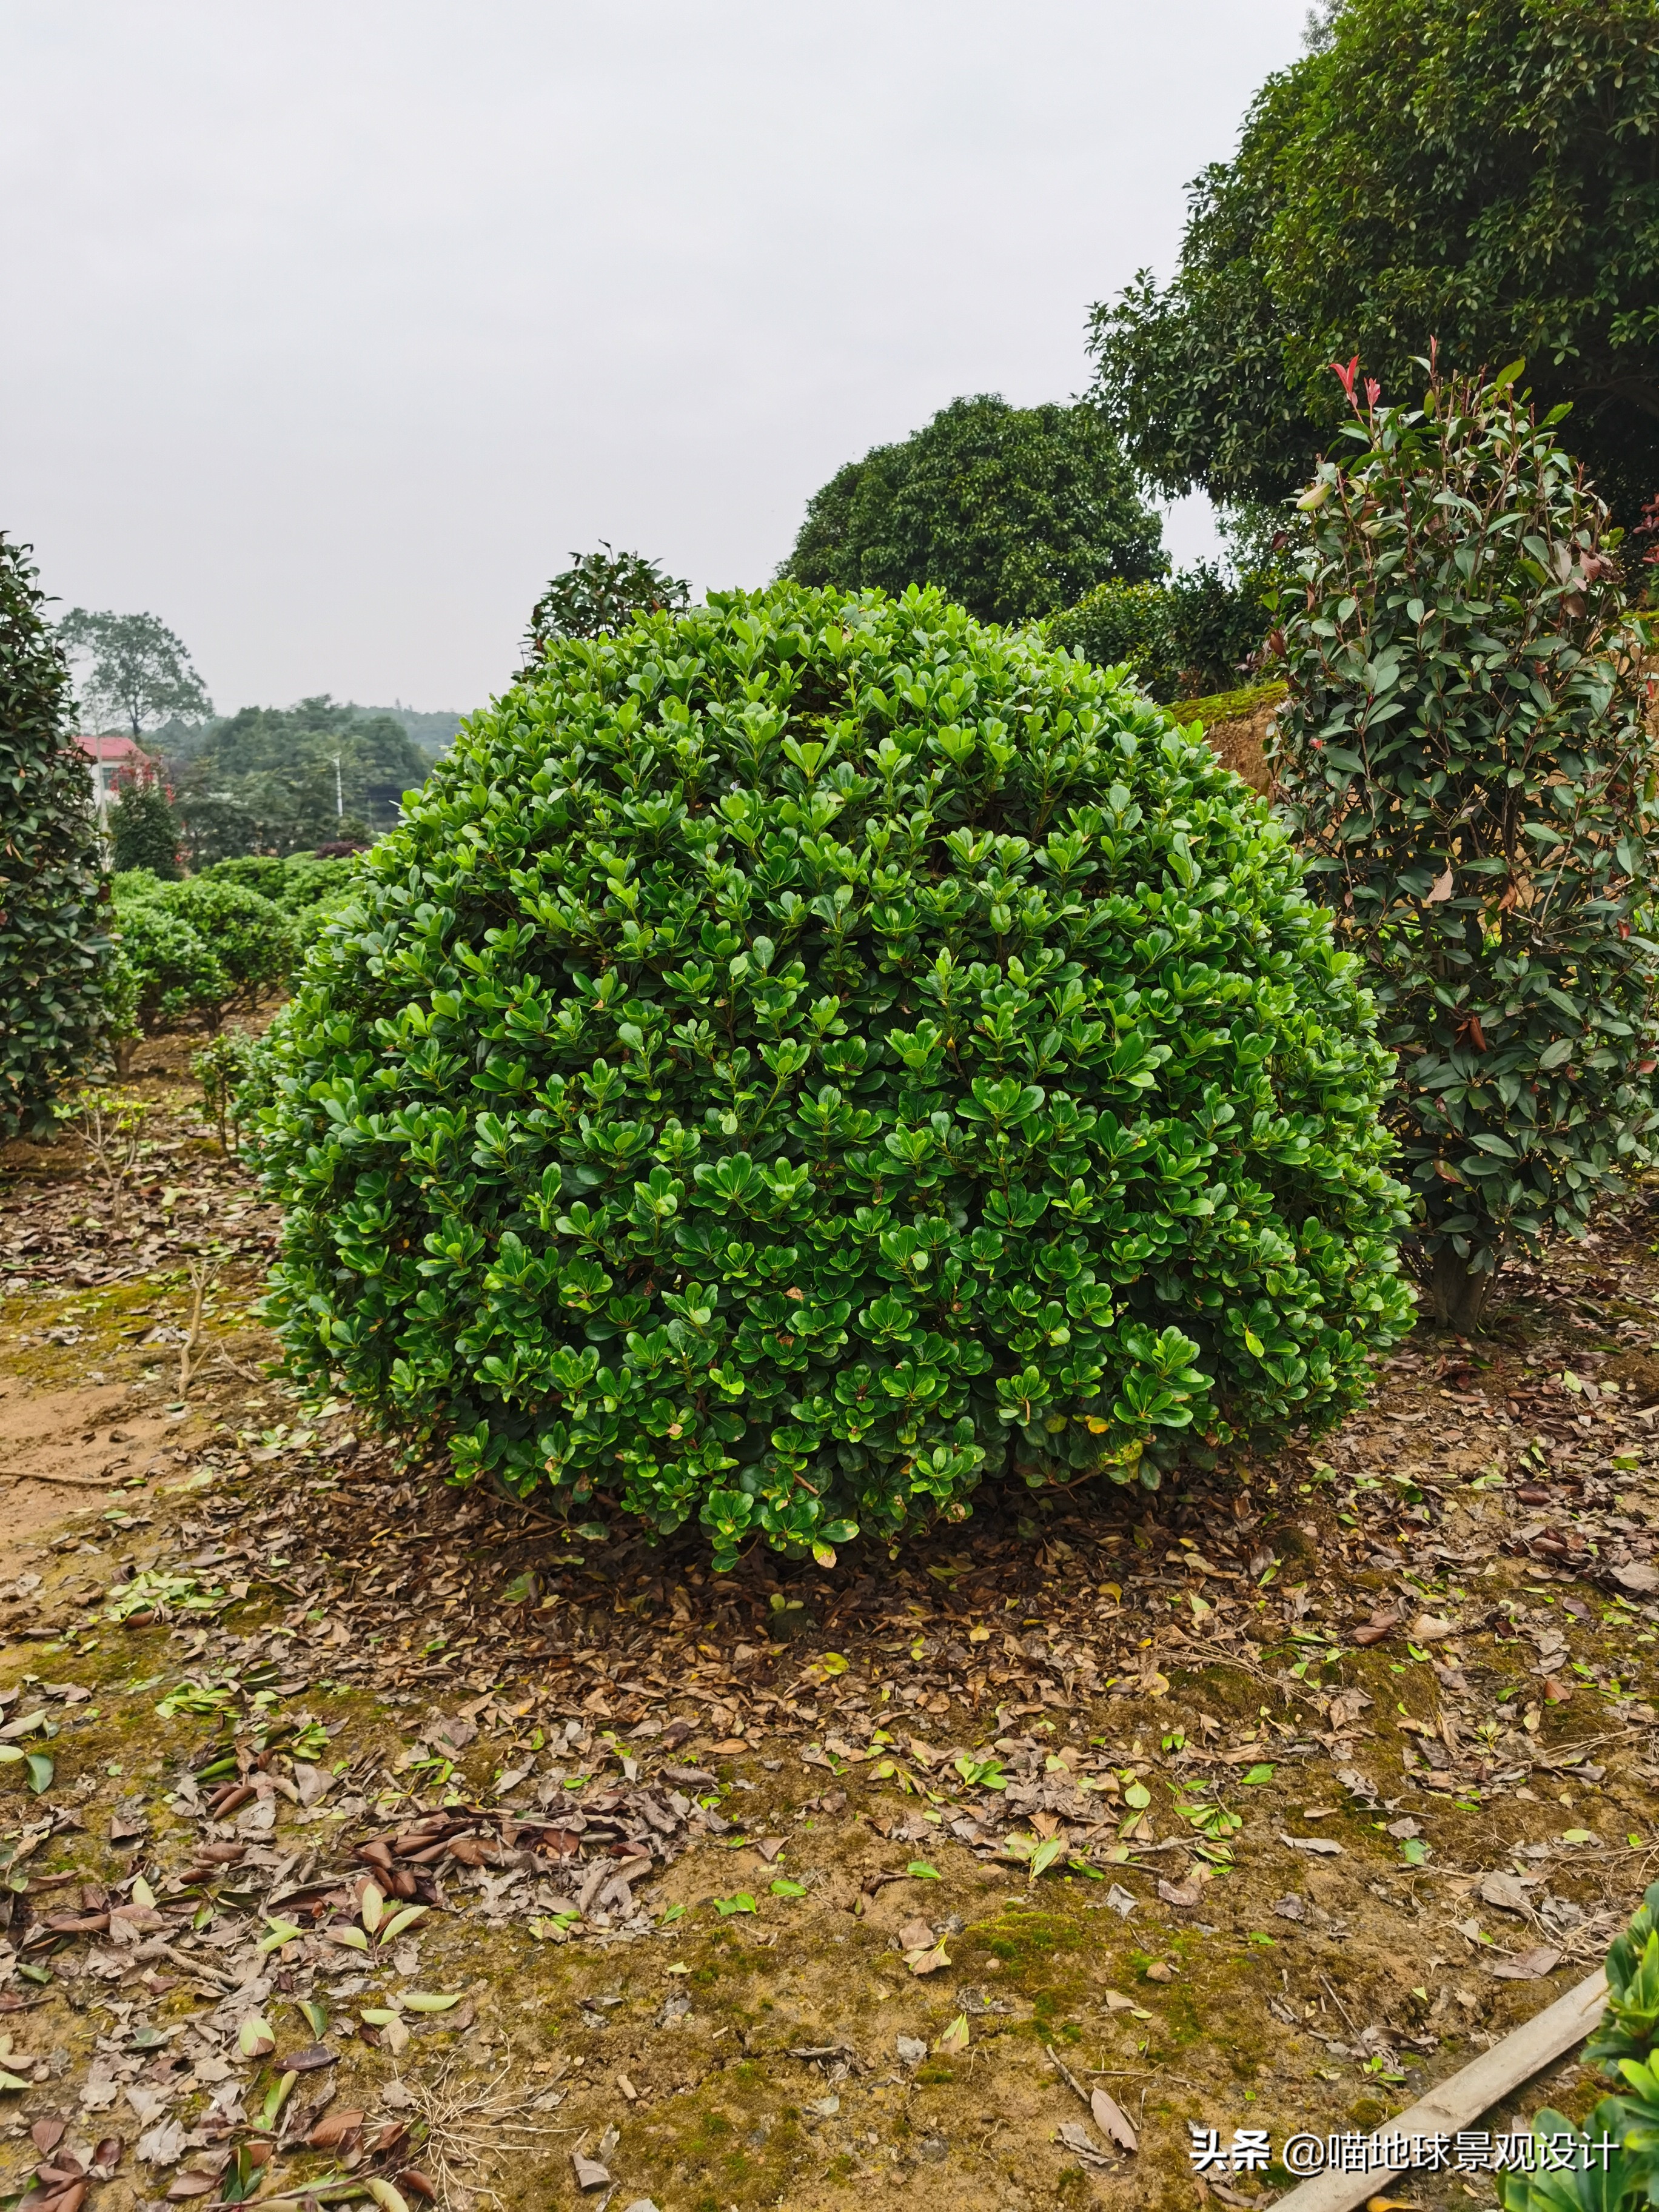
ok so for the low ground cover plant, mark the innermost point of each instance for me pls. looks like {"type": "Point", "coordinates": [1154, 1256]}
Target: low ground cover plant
{"type": "Point", "coordinates": [803, 1056]}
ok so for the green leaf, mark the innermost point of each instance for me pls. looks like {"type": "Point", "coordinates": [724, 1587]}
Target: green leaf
{"type": "Point", "coordinates": [40, 1772]}
{"type": "Point", "coordinates": [1258, 1775]}
{"type": "Point", "coordinates": [423, 2001]}
{"type": "Point", "coordinates": [1045, 1855]}
{"type": "Point", "coordinates": [784, 1888]}
{"type": "Point", "coordinates": [743, 1902]}
{"type": "Point", "coordinates": [922, 1871]}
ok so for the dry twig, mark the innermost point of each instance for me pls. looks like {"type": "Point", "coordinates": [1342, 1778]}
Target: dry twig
{"type": "Point", "coordinates": [201, 1274]}
{"type": "Point", "coordinates": [466, 2127]}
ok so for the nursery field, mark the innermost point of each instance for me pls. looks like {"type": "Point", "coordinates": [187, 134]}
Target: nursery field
{"type": "Point", "coordinates": [368, 1837]}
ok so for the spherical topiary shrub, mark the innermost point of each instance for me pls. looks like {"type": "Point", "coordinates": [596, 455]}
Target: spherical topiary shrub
{"type": "Point", "coordinates": [804, 1055]}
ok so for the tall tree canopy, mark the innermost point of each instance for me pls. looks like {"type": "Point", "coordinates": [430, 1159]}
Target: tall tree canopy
{"type": "Point", "coordinates": [139, 673]}
{"type": "Point", "coordinates": [1012, 512]}
{"type": "Point", "coordinates": [51, 1012]}
{"type": "Point", "coordinates": [1486, 176]}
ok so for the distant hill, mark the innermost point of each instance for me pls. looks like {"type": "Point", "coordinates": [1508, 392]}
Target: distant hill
{"type": "Point", "coordinates": [433, 733]}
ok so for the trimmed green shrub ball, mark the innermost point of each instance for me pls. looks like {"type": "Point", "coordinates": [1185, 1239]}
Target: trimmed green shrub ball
{"type": "Point", "coordinates": [806, 1055]}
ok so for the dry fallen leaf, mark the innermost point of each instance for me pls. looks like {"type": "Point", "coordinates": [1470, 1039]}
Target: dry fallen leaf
{"type": "Point", "coordinates": [928, 1962]}
{"type": "Point", "coordinates": [1505, 1890]}
{"type": "Point", "coordinates": [1529, 1966]}
{"type": "Point", "coordinates": [1077, 2138]}
{"type": "Point", "coordinates": [1112, 2120]}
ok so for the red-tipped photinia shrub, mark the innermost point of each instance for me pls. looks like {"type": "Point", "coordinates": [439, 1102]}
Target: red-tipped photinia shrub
{"type": "Point", "coordinates": [1464, 758]}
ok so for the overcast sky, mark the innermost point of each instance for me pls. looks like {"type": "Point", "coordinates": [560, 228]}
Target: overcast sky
{"type": "Point", "coordinates": [331, 329]}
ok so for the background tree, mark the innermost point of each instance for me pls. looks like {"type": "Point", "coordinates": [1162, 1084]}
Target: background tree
{"type": "Point", "coordinates": [275, 779]}
{"type": "Point", "coordinates": [138, 673]}
{"type": "Point", "coordinates": [52, 947]}
{"type": "Point", "coordinates": [599, 595]}
{"type": "Point", "coordinates": [1012, 512]}
{"type": "Point", "coordinates": [1486, 175]}
{"type": "Point", "coordinates": [1463, 754]}
{"type": "Point", "coordinates": [143, 827]}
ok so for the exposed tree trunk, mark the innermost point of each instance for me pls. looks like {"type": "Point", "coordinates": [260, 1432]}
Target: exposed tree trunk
{"type": "Point", "coordinates": [1460, 1297]}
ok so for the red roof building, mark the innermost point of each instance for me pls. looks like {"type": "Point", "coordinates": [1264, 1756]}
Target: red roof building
{"type": "Point", "coordinates": [110, 755]}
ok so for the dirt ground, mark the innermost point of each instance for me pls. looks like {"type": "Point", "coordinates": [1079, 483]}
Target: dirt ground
{"type": "Point", "coordinates": [368, 1836]}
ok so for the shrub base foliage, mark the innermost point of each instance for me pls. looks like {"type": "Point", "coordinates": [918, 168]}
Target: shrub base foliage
{"type": "Point", "coordinates": [51, 944]}
{"type": "Point", "coordinates": [1463, 754]}
{"type": "Point", "coordinates": [806, 1055]}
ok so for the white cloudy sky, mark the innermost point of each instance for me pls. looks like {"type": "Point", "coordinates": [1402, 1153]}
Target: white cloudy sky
{"type": "Point", "coordinates": [331, 328]}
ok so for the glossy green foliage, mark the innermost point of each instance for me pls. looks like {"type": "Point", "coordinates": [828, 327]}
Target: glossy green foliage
{"type": "Point", "coordinates": [1613, 2165]}
{"type": "Point", "coordinates": [1183, 639]}
{"type": "Point", "coordinates": [1014, 511]}
{"type": "Point", "coordinates": [1464, 758]}
{"type": "Point", "coordinates": [193, 952]}
{"type": "Point", "coordinates": [1481, 175]}
{"type": "Point", "coordinates": [808, 1054]}
{"type": "Point", "coordinates": [52, 947]}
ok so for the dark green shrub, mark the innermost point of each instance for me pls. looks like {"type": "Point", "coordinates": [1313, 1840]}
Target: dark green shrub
{"type": "Point", "coordinates": [249, 936]}
{"type": "Point", "coordinates": [142, 829]}
{"type": "Point", "coordinates": [1184, 639]}
{"type": "Point", "coordinates": [1120, 624]}
{"type": "Point", "coordinates": [1463, 754]}
{"type": "Point", "coordinates": [1613, 2165]}
{"type": "Point", "coordinates": [252, 872]}
{"type": "Point", "coordinates": [164, 973]}
{"type": "Point", "coordinates": [293, 884]}
{"type": "Point", "coordinates": [805, 1056]}
{"type": "Point", "coordinates": [189, 952]}
{"type": "Point", "coordinates": [308, 882]}
{"type": "Point", "coordinates": [53, 946]}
